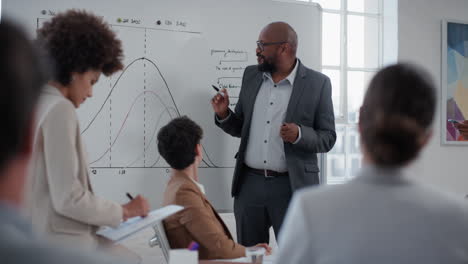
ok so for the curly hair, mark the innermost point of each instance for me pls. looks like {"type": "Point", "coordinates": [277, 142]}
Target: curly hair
{"type": "Point", "coordinates": [78, 41]}
{"type": "Point", "coordinates": [177, 142]}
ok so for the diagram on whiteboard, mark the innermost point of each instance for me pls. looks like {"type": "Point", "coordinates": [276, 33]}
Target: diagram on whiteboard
{"type": "Point", "coordinates": [174, 52]}
{"type": "Point", "coordinates": [130, 107]}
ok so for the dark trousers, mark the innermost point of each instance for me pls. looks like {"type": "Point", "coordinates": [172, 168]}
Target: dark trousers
{"type": "Point", "coordinates": [261, 203]}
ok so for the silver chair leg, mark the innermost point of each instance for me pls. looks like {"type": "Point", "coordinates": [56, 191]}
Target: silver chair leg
{"type": "Point", "coordinates": [154, 241]}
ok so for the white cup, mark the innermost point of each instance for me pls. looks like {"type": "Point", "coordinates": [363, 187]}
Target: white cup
{"type": "Point", "coordinates": [255, 254]}
{"type": "Point", "coordinates": [183, 256]}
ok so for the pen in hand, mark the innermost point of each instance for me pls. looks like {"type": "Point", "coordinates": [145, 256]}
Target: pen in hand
{"type": "Point", "coordinates": [218, 90]}
{"type": "Point", "coordinates": [220, 102]}
{"type": "Point", "coordinates": [137, 206]}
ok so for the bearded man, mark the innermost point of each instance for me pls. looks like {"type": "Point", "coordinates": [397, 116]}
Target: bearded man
{"type": "Point", "coordinates": [284, 117]}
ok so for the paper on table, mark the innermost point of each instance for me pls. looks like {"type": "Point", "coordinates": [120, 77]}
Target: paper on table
{"type": "Point", "coordinates": [135, 224]}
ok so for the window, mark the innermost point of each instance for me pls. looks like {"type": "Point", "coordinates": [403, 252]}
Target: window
{"type": "Point", "coordinates": [351, 55]}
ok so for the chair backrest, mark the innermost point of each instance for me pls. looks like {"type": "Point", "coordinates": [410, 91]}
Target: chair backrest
{"type": "Point", "coordinates": [160, 239]}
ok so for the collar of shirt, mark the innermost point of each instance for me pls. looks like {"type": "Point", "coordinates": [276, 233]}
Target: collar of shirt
{"type": "Point", "coordinates": [49, 89]}
{"type": "Point", "coordinates": [382, 175]}
{"type": "Point", "coordinates": [291, 77]}
{"type": "Point", "coordinates": [200, 186]}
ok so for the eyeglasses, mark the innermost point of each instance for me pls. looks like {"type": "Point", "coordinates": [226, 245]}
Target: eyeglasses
{"type": "Point", "coordinates": [261, 45]}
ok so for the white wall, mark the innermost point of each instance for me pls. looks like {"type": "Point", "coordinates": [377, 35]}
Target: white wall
{"type": "Point", "coordinates": [419, 39]}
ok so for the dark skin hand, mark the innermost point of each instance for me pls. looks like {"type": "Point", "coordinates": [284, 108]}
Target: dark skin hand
{"type": "Point", "coordinates": [289, 132]}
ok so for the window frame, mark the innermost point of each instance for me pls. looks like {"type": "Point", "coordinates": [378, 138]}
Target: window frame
{"type": "Point", "coordinates": [343, 69]}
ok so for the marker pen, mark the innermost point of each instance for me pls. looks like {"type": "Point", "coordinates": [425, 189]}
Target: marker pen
{"type": "Point", "coordinates": [217, 90]}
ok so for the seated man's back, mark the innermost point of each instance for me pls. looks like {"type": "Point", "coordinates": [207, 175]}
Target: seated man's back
{"type": "Point", "coordinates": [179, 145]}
{"type": "Point", "coordinates": [197, 222]}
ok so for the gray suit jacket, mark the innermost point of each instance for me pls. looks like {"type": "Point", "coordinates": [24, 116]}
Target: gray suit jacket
{"type": "Point", "coordinates": [310, 106]}
{"type": "Point", "coordinates": [379, 217]}
{"type": "Point", "coordinates": [18, 245]}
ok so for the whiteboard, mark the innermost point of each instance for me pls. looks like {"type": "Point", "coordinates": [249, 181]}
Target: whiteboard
{"type": "Point", "coordinates": [174, 51]}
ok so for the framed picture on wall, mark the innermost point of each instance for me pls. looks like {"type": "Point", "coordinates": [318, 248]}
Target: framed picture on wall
{"type": "Point", "coordinates": [454, 80]}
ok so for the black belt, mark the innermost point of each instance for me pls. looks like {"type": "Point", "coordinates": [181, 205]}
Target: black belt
{"type": "Point", "coordinates": [266, 173]}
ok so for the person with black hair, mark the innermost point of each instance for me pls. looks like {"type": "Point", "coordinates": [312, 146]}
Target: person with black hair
{"type": "Point", "coordinates": [60, 199]}
{"type": "Point", "coordinates": [382, 215]}
{"type": "Point", "coordinates": [22, 75]}
{"type": "Point", "coordinates": [179, 144]}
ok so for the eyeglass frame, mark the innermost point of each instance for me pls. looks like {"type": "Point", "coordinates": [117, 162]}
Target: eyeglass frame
{"type": "Point", "coordinates": [261, 45]}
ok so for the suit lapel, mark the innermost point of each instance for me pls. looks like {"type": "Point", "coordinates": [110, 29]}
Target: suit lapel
{"type": "Point", "coordinates": [186, 178]}
{"type": "Point", "coordinates": [298, 88]}
{"type": "Point", "coordinates": [205, 200]}
{"type": "Point", "coordinates": [226, 230]}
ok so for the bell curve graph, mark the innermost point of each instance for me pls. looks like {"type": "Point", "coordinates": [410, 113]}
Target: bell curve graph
{"type": "Point", "coordinates": [174, 51]}
{"type": "Point", "coordinates": [168, 110]}
{"type": "Point", "coordinates": [120, 123]}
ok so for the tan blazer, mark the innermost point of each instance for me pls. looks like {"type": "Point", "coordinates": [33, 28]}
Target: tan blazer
{"type": "Point", "coordinates": [59, 200]}
{"type": "Point", "coordinates": [198, 222]}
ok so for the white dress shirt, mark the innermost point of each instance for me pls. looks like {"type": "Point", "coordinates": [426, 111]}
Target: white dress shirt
{"type": "Point", "coordinates": [265, 149]}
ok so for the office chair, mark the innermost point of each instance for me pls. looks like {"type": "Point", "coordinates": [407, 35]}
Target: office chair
{"type": "Point", "coordinates": [160, 239]}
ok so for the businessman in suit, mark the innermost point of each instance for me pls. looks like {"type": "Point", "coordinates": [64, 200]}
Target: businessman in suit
{"type": "Point", "coordinates": [179, 145]}
{"type": "Point", "coordinates": [284, 117]}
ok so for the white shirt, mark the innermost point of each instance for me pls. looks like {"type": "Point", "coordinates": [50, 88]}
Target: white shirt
{"type": "Point", "coordinates": [199, 185]}
{"type": "Point", "coordinates": [265, 148]}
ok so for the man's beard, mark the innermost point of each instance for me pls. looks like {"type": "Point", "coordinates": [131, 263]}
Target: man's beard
{"type": "Point", "coordinates": [266, 66]}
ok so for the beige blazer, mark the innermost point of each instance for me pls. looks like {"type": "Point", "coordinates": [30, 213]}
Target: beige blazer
{"type": "Point", "coordinates": [197, 222]}
{"type": "Point", "coordinates": [59, 200]}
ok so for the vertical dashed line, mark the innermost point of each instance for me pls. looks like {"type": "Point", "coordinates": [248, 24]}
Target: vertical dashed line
{"type": "Point", "coordinates": [110, 128]}
{"type": "Point", "coordinates": [144, 104]}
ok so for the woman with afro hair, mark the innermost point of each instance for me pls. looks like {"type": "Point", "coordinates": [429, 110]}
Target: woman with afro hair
{"type": "Point", "coordinates": [61, 202]}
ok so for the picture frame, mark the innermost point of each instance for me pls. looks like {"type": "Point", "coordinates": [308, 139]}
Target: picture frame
{"type": "Point", "coordinates": [454, 87]}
